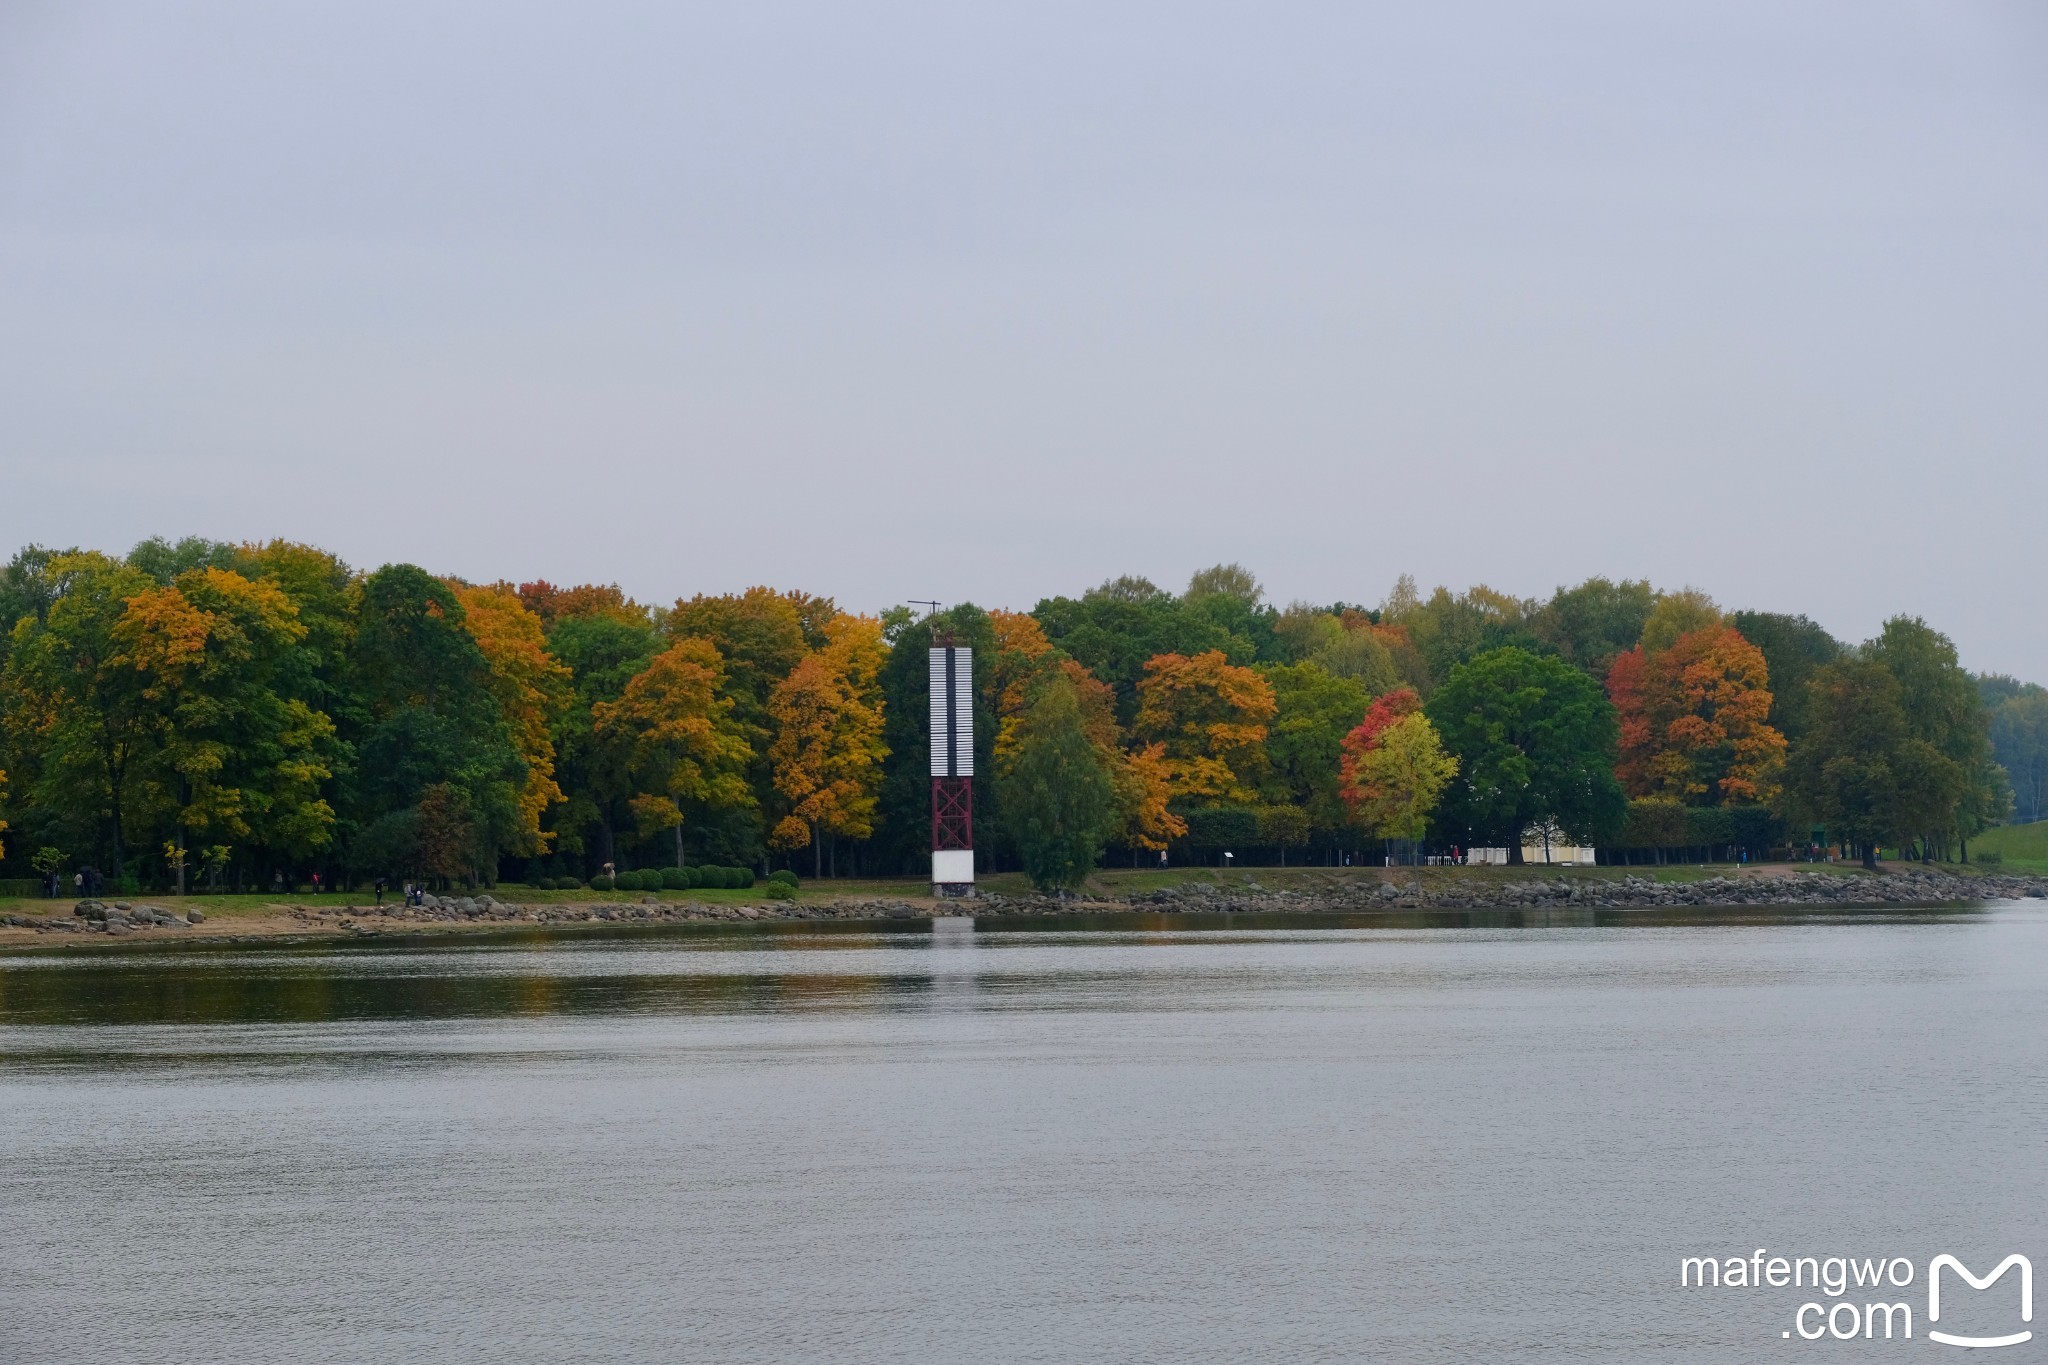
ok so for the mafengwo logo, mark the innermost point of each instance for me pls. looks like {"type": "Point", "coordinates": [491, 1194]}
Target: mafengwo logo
{"type": "Point", "coordinates": [1866, 1315]}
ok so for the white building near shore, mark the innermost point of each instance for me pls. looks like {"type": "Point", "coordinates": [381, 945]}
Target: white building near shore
{"type": "Point", "coordinates": [1536, 855]}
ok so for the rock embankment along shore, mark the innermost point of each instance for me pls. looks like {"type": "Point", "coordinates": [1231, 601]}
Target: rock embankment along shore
{"type": "Point", "coordinates": [109, 917]}
{"type": "Point", "coordinates": [1913, 886]}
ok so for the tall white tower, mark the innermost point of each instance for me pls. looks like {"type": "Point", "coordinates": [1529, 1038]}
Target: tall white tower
{"type": "Point", "coordinates": [952, 768]}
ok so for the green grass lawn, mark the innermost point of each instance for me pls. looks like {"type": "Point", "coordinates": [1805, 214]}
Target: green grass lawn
{"type": "Point", "coordinates": [2024, 847]}
{"type": "Point", "coordinates": [266, 904]}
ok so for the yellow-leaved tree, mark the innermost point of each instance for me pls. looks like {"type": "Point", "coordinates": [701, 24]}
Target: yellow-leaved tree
{"type": "Point", "coordinates": [680, 748]}
{"type": "Point", "coordinates": [235, 755]}
{"type": "Point", "coordinates": [532, 688]}
{"type": "Point", "coordinates": [827, 749]}
{"type": "Point", "coordinates": [1395, 769]}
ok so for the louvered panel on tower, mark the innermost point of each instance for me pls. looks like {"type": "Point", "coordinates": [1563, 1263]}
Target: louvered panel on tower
{"type": "Point", "coordinates": [952, 711]}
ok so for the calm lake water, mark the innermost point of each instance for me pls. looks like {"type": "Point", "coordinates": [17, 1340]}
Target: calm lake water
{"type": "Point", "coordinates": [1197, 1140]}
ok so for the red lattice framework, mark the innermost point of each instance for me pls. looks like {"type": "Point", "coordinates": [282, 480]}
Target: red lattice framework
{"type": "Point", "coordinates": [952, 813]}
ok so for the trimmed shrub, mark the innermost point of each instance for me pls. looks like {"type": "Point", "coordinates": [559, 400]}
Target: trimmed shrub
{"type": "Point", "coordinates": [674, 879]}
{"type": "Point", "coordinates": [720, 878]}
{"type": "Point", "coordinates": [779, 891]}
{"type": "Point", "coordinates": [785, 877]}
{"type": "Point", "coordinates": [1222, 827]}
{"type": "Point", "coordinates": [743, 877]}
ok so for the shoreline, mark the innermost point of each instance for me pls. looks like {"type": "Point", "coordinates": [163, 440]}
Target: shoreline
{"type": "Point", "coordinates": [1318, 892]}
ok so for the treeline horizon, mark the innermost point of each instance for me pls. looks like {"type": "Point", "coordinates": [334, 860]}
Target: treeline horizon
{"type": "Point", "coordinates": [205, 714]}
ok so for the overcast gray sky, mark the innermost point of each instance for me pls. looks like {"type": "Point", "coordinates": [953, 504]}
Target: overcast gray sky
{"type": "Point", "coordinates": [975, 301]}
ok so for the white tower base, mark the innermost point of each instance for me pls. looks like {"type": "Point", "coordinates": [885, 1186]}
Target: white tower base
{"type": "Point", "coordinates": [953, 872]}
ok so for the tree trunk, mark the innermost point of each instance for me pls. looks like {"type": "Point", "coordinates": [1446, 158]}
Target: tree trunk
{"type": "Point", "coordinates": [817, 853]}
{"type": "Point", "coordinates": [1515, 852]}
{"type": "Point", "coordinates": [1870, 857]}
{"type": "Point", "coordinates": [679, 845]}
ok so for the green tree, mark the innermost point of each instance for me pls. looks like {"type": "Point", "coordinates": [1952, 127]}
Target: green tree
{"type": "Point", "coordinates": [1448, 630]}
{"type": "Point", "coordinates": [1535, 741]}
{"type": "Point", "coordinates": [604, 651]}
{"type": "Point", "coordinates": [166, 563]}
{"type": "Point", "coordinates": [1283, 827]}
{"type": "Point", "coordinates": [1058, 804]}
{"type": "Point", "coordinates": [430, 716]}
{"type": "Point", "coordinates": [1304, 741]}
{"type": "Point", "coordinates": [1945, 710]}
{"type": "Point", "coordinates": [78, 708]}
{"type": "Point", "coordinates": [2019, 741]}
{"type": "Point", "coordinates": [1846, 773]}
{"type": "Point", "coordinates": [1593, 623]}
{"type": "Point", "coordinates": [27, 589]}
{"type": "Point", "coordinates": [1229, 597]}
{"type": "Point", "coordinates": [1794, 648]}
{"type": "Point", "coordinates": [1114, 630]}
{"type": "Point", "coordinates": [236, 757]}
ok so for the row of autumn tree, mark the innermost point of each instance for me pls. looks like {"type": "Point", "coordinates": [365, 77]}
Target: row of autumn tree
{"type": "Point", "coordinates": [239, 713]}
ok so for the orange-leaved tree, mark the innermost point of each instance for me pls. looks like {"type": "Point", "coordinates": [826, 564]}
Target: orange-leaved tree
{"type": "Point", "coordinates": [1013, 672]}
{"type": "Point", "coordinates": [532, 687]}
{"type": "Point", "coordinates": [552, 604]}
{"type": "Point", "coordinates": [1139, 777]}
{"type": "Point", "coordinates": [677, 741]}
{"type": "Point", "coordinates": [1209, 715]}
{"type": "Point", "coordinates": [1695, 720]}
{"type": "Point", "coordinates": [827, 751]}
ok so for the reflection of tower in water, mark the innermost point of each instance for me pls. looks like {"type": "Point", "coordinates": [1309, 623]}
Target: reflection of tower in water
{"type": "Point", "coordinates": [954, 957]}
